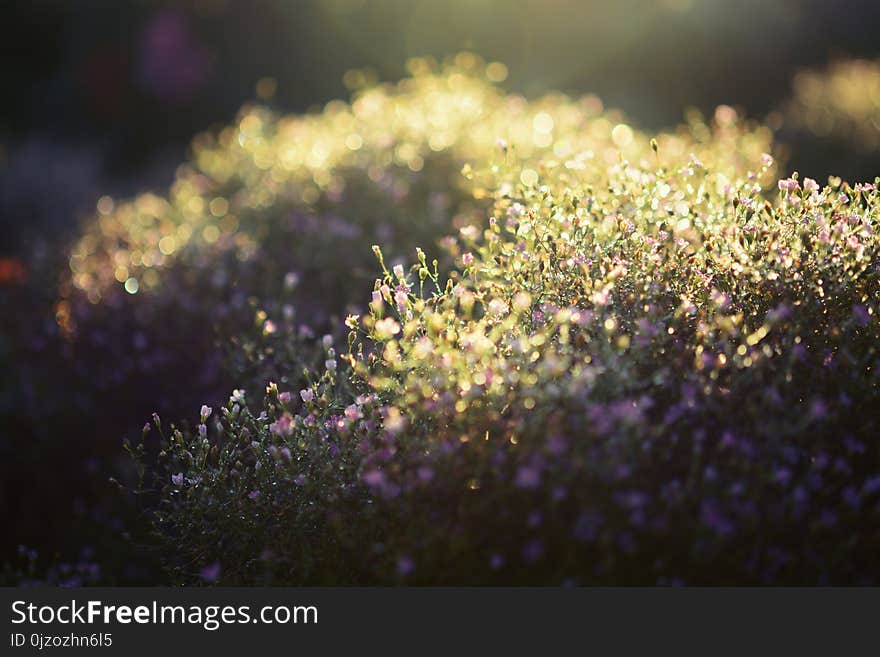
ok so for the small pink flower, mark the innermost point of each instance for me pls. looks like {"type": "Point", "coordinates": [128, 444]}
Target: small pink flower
{"type": "Point", "coordinates": [307, 395]}
{"type": "Point", "coordinates": [282, 427]}
{"type": "Point", "coordinates": [468, 259]}
{"type": "Point", "coordinates": [789, 185]}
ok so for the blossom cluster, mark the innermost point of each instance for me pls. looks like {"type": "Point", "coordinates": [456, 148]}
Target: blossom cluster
{"type": "Point", "coordinates": [261, 244]}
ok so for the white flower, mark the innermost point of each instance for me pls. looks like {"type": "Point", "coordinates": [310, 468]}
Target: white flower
{"type": "Point", "coordinates": [497, 307]}
{"type": "Point", "coordinates": [387, 328]}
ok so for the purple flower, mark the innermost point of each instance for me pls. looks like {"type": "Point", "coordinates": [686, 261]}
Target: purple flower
{"type": "Point", "coordinates": [556, 444]}
{"type": "Point", "coordinates": [527, 477]}
{"type": "Point", "coordinates": [851, 497]}
{"type": "Point", "coordinates": [712, 517]}
{"type": "Point", "coordinates": [818, 409]}
{"type": "Point", "coordinates": [515, 210]}
{"type": "Point", "coordinates": [871, 485]}
{"type": "Point", "coordinates": [860, 314]}
{"type": "Point", "coordinates": [782, 476]}
{"type": "Point", "coordinates": [374, 478]}
{"type": "Point", "coordinates": [211, 572]}
{"type": "Point", "coordinates": [405, 566]}
{"type": "Point", "coordinates": [789, 184]}
{"type": "Point", "coordinates": [307, 395]}
{"type": "Point", "coordinates": [559, 493]}
{"type": "Point", "coordinates": [177, 479]}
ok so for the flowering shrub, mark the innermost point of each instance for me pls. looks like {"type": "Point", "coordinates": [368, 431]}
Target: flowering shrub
{"type": "Point", "coordinates": [619, 390]}
{"type": "Point", "coordinates": [636, 361]}
{"type": "Point", "coordinates": [268, 221]}
{"type": "Point", "coordinates": [258, 250]}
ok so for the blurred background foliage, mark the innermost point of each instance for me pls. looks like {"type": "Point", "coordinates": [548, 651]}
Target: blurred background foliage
{"type": "Point", "coordinates": [104, 96]}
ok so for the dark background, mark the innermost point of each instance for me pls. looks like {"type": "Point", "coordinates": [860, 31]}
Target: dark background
{"type": "Point", "coordinates": [103, 97]}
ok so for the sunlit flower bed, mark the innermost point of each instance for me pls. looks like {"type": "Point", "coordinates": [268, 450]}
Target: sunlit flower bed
{"type": "Point", "coordinates": [271, 220]}
{"type": "Point", "coordinates": [578, 353]}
